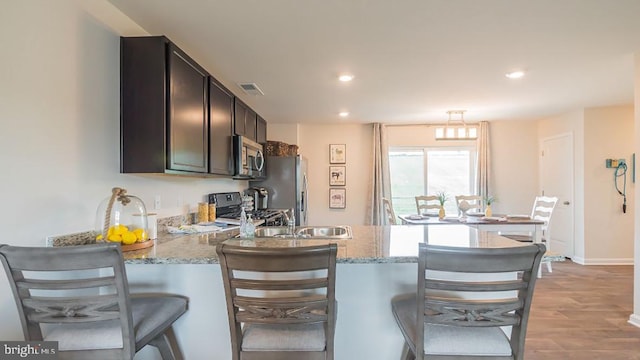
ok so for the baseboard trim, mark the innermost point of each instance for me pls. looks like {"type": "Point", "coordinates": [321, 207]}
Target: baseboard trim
{"type": "Point", "coordinates": [634, 320]}
{"type": "Point", "coordinates": [604, 261]}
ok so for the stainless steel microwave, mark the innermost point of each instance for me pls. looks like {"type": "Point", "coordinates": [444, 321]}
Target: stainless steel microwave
{"type": "Point", "coordinates": [248, 158]}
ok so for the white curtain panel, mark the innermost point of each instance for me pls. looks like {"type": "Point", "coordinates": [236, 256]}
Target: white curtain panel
{"type": "Point", "coordinates": [380, 184]}
{"type": "Point", "coordinates": [483, 163]}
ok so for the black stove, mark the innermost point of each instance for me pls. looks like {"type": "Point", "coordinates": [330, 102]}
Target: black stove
{"type": "Point", "coordinates": [229, 206]}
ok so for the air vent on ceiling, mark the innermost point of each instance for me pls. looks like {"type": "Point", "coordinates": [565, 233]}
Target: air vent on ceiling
{"type": "Point", "coordinates": [250, 88]}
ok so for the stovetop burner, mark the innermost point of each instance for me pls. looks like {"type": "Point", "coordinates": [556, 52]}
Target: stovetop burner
{"type": "Point", "coordinates": [229, 206]}
{"type": "Point", "coordinates": [256, 214]}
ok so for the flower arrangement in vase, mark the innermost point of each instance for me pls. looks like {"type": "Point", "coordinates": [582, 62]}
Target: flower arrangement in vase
{"type": "Point", "coordinates": [488, 201]}
{"type": "Point", "coordinates": [442, 198]}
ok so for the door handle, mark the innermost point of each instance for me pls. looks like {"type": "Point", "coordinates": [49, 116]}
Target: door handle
{"type": "Point", "coordinates": [261, 157]}
{"type": "Point", "coordinates": [566, 203]}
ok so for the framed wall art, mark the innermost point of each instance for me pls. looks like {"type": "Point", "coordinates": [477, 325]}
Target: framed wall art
{"type": "Point", "coordinates": [337, 198]}
{"type": "Point", "coordinates": [337, 175]}
{"type": "Point", "coordinates": [337, 153]}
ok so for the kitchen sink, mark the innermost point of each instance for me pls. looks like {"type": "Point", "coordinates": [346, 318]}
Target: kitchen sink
{"type": "Point", "coordinates": [273, 231]}
{"type": "Point", "coordinates": [326, 232]}
{"type": "Point", "coordinates": [306, 232]}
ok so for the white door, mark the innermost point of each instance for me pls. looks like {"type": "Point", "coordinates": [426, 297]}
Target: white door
{"type": "Point", "coordinates": [557, 180]}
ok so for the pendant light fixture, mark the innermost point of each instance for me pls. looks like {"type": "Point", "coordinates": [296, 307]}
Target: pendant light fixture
{"type": "Point", "coordinates": [456, 128]}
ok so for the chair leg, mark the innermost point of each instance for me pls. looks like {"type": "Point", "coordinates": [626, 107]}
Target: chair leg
{"type": "Point", "coordinates": [407, 354]}
{"type": "Point", "coordinates": [548, 268]}
{"type": "Point", "coordinates": [161, 342]}
{"type": "Point", "coordinates": [540, 271]}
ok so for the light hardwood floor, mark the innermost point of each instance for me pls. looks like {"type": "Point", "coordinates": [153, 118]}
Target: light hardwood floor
{"type": "Point", "coordinates": [581, 312]}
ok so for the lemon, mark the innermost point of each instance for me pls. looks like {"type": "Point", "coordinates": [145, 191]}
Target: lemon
{"type": "Point", "coordinates": [115, 238]}
{"type": "Point", "coordinates": [141, 235]}
{"type": "Point", "coordinates": [128, 238]}
{"type": "Point", "coordinates": [110, 231]}
{"type": "Point", "coordinates": [119, 229]}
{"type": "Point", "coordinates": [99, 237]}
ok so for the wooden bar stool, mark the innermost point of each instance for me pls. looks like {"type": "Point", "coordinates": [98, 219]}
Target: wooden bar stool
{"type": "Point", "coordinates": [452, 317]}
{"type": "Point", "coordinates": [89, 311]}
{"type": "Point", "coordinates": [280, 301]}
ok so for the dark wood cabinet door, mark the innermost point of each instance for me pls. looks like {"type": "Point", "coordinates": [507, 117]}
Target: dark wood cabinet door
{"type": "Point", "coordinates": [250, 124]}
{"type": "Point", "coordinates": [261, 130]}
{"type": "Point", "coordinates": [239, 116]}
{"type": "Point", "coordinates": [187, 134]}
{"type": "Point", "coordinates": [143, 104]}
{"type": "Point", "coordinates": [244, 120]}
{"type": "Point", "coordinates": [220, 129]}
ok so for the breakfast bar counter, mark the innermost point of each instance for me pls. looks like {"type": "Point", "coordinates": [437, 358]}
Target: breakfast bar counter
{"type": "Point", "coordinates": [376, 264]}
{"type": "Point", "coordinates": [368, 244]}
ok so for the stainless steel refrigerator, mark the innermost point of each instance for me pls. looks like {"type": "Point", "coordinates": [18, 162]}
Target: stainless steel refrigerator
{"type": "Point", "coordinates": [286, 183]}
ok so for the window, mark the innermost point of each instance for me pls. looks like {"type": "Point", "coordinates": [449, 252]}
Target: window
{"type": "Point", "coordinates": [426, 171]}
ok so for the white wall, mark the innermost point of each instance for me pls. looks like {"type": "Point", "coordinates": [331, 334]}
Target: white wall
{"type": "Point", "coordinates": [59, 128]}
{"type": "Point", "coordinates": [314, 145]}
{"type": "Point", "coordinates": [514, 164]}
{"type": "Point", "coordinates": [288, 133]}
{"type": "Point", "coordinates": [608, 232]}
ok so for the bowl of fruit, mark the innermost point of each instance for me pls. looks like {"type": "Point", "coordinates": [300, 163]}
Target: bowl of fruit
{"type": "Point", "coordinates": [122, 218]}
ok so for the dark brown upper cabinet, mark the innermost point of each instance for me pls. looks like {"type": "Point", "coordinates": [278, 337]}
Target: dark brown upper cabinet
{"type": "Point", "coordinates": [164, 123]}
{"type": "Point", "coordinates": [188, 97]}
{"type": "Point", "coordinates": [261, 130]}
{"type": "Point", "coordinates": [245, 120]}
{"type": "Point", "coordinates": [220, 129]}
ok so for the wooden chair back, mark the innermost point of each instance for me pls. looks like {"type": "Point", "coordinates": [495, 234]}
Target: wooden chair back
{"type": "Point", "coordinates": [468, 202]}
{"type": "Point", "coordinates": [542, 210]}
{"type": "Point", "coordinates": [268, 289]}
{"type": "Point", "coordinates": [493, 310]}
{"type": "Point", "coordinates": [94, 289]}
{"type": "Point", "coordinates": [388, 210]}
{"type": "Point", "coordinates": [424, 203]}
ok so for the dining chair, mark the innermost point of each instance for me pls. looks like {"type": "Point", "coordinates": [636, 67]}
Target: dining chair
{"type": "Point", "coordinates": [79, 297]}
{"type": "Point", "coordinates": [450, 317]}
{"type": "Point", "coordinates": [424, 203]}
{"type": "Point", "coordinates": [280, 301]}
{"type": "Point", "coordinates": [468, 202]}
{"type": "Point", "coordinates": [542, 210]}
{"type": "Point", "coordinates": [388, 210]}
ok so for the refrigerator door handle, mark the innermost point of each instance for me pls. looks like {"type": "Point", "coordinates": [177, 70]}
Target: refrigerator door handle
{"type": "Point", "coordinates": [304, 196]}
{"type": "Point", "coordinates": [304, 182]}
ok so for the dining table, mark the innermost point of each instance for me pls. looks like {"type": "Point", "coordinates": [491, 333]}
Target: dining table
{"type": "Point", "coordinates": [500, 223]}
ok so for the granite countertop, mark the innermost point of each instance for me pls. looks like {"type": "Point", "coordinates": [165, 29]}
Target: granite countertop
{"type": "Point", "coordinates": [370, 244]}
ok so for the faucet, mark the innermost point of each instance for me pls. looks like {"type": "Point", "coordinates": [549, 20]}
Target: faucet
{"type": "Point", "coordinates": [290, 217]}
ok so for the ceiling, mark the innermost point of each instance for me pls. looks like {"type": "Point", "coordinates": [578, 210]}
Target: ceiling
{"type": "Point", "coordinates": [413, 60]}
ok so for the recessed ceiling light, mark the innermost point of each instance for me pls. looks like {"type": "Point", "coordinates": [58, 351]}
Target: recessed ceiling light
{"type": "Point", "coordinates": [343, 113]}
{"type": "Point", "coordinates": [345, 77]}
{"type": "Point", "coordinates": [515, 74]}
